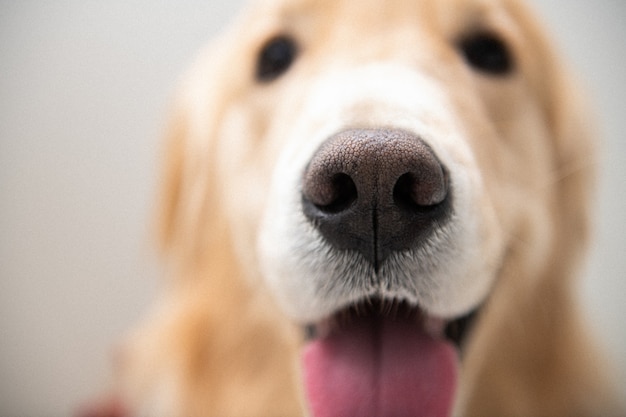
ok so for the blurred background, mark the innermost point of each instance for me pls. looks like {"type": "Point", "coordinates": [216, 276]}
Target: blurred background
{"type": "Point", "coordinates": [84, 88]}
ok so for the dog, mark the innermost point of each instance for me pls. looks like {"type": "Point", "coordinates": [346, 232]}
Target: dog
{"type": "Point", "coordinates": [373, 208]}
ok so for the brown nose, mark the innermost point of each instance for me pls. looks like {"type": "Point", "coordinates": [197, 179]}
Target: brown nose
{"type": "Point", "coordinates": [376, 192]}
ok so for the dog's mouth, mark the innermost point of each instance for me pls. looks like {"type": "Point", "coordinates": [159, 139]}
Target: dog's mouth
{"type": "Point", "coordinates": [383, 358]}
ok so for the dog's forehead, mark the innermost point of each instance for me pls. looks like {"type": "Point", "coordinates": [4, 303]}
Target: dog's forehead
{"type": "Point", "coordinates": [370, 11]}
{"type": "Point", "coordinates": [393, 25]}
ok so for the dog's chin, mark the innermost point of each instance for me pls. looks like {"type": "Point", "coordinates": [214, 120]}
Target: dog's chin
{"type": "Point", "coordinates": [381, 358]}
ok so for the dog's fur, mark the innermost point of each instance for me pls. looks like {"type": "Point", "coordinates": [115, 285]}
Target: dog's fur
{"type": "Point", "coordinates": [224, 340]}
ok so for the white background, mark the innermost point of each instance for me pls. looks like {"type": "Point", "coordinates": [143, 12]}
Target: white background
{"type": "Point", "coordinates": [84, 87]}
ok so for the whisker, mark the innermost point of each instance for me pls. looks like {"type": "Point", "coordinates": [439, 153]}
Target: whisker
{"type": "Point", "coordinates": [569, 170]}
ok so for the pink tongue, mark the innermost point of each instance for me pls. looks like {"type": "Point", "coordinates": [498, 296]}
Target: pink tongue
{"type": "Point", "coordinates": [383, 369]}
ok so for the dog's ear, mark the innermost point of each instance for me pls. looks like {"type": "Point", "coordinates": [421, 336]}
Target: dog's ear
{"type": "Point", "coordinates": [572, 127]}
{"type": "Point", "coordinates": [189, 220]}
{"type": "Point", "coordinates": [576, 141]}
{"type": "Point", "coordinates": [575, 144]}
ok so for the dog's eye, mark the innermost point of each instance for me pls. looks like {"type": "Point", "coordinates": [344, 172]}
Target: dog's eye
{"type": "Point", "coordinates": [487, 53]}
{"type": "Point", "coordinates": [275, 58]}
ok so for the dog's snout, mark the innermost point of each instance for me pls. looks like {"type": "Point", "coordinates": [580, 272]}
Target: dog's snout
{"type": "Point", "coordinates": [375, 191]}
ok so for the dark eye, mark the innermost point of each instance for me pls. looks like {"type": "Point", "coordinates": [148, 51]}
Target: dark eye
{"type": "Point", "coordinates": [275, 58]}
{"type": "Point", "coordinates": [487, 53]}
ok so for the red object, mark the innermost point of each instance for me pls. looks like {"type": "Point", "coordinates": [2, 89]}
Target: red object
{"type": "Point", "coordinates": [108, 407]}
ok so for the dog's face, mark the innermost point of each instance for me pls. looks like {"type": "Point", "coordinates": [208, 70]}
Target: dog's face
{"type": "Point", "coordinates": [445, 86]}
{"type": "Point", "coordinates": [380, 164]}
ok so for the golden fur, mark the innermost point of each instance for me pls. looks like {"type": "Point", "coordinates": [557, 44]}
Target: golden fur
{"type": "Point", "coordinates": [218, 345]}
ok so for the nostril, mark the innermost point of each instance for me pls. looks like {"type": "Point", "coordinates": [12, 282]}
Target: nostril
{"type": "Point", "coordinates": [403, 192]}
{"type": "Point", "coordinates": [345, 194]}
{"type": "Point", "coordinates": [418, 191]}
{"type": "Point", "coordinates": [335, 195]}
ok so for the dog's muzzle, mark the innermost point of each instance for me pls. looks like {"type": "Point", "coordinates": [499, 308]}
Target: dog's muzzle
{"type": "Point", "coordinates": [376, 192]}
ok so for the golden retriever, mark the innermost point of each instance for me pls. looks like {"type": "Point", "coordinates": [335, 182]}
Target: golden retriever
{"type": "Point", "coordinates": [373, 208]}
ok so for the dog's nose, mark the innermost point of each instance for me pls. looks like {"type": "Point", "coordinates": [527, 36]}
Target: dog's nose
{"type": "Point", "coordinates": [376, 192]}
